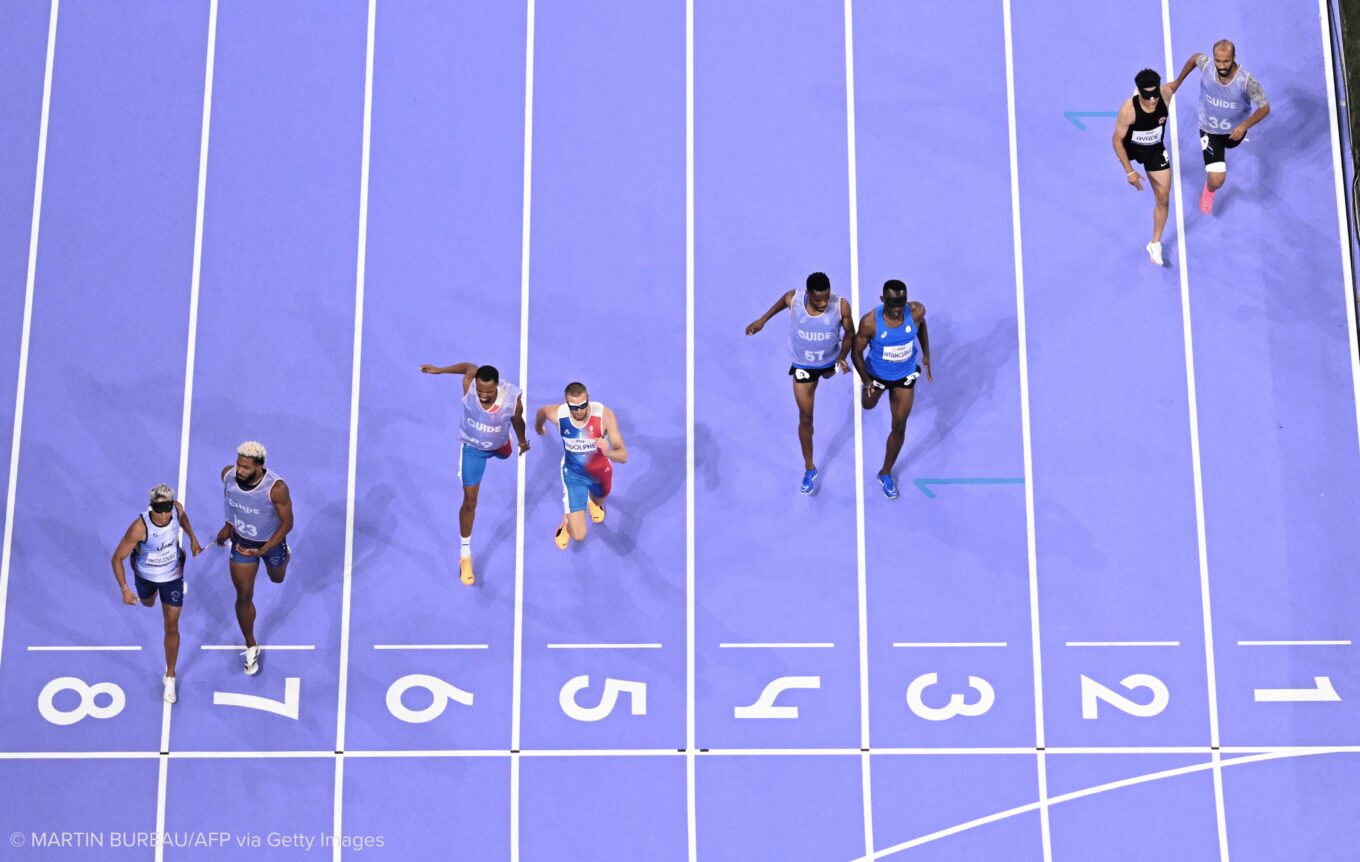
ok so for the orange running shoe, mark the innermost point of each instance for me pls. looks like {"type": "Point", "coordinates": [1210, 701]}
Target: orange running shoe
{"type": "Point", "coordinates": [596, 511]}
{"type": "Point", "coordinates": [465, 571]}
{"type": "Point", "coordinates": [561, 539]}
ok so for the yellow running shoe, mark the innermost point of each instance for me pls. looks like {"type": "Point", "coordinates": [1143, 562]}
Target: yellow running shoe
{"type": "Point", "coordinates": [596, 511]}
{"type": "Point", "coordinates": [465, 571]}
{"type": "Point", "coordinates": [561, 539]}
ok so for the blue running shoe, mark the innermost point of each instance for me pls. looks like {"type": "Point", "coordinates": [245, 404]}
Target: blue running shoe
{"type": "Point", "coordinates": [809, 481]}
{"type": "Point", "coordinates": [889, 486]}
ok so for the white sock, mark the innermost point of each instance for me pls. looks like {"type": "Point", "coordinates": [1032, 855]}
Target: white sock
{"type": "Point", "coordinates": [466, 553]}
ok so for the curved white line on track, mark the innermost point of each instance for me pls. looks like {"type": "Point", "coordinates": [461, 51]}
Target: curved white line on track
{"type": "Point", "coordinates": [1091, 791]}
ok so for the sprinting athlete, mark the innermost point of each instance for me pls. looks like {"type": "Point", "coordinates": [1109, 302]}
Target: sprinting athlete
{"type": "Point", "coordinates": [821, 332]}
{"type": "Point", "coordinates": [891, 337]}
{"type": "Point", "coordinates": [1140, 136]}
{"type": "Point", "coordinates": [259, 516]}
{"type": "Point", "coordinates": [491, 407]}
{"type": "Point", "coordinates": [591, 438]}
{"type": "Point", "coordinates": [153, 542]}
{"type": "Point", "coordinates": [1227, 95]}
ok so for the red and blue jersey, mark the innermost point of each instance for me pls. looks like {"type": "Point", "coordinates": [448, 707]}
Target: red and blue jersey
{"type": "Point", "coordinates": [583, 456]}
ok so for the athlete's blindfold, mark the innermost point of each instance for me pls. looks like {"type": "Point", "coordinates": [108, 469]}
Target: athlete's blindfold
{"type": "Point", "coordinates": [163, 506]}
{"type": "Point", "coordinates": [895, 302]}
{"type": "Point", "coordinates": [1150, 93]}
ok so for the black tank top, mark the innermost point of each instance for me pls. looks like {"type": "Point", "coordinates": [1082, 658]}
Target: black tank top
{"type": "Point", "coordinates": [1147, 128]}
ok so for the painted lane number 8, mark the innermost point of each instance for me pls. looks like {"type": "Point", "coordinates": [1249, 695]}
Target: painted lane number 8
{"type": "Point", "coordinates": [87, 708]}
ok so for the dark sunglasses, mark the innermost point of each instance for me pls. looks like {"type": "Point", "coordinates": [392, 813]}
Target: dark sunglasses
{"type": "Point", "coordinates": [577, 407]}
{"type": "Point", "coordinates": [163, 506]}
{"type": "Point", "coordinates": [895, 303]}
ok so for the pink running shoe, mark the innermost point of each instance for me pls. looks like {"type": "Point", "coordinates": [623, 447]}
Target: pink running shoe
{"type": "Point", "coordinates": [1206, 200]}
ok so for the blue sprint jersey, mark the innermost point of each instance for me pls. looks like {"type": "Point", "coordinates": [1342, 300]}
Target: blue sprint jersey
{"type": "Point", "coordinates": [892, 353]}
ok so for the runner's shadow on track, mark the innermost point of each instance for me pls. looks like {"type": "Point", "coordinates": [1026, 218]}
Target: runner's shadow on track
{"type": "Point", "coordinates": [320, 569]}
{"type": "Point", "coordinates": [1308, 140]}
{"type": "Point", "coordinates": [636, 499]}
{"type": "Point", "coordinates": [662, 479]}
{"type": "Point", "coordinates": [91, 397]}
{"type": "Point", "coordinates": [212, 594]}
{"type": "Point", "coordinates": [67, 547]}
{"type": "Point", "coordinates": [839, 439]}
{"type": "Point", "coordinates": [969, 373]}
{"type": "Point", "coordinates": [134, 624]}
{"type": "Point", "coordinates": [707, 459]}
{"type": "Point", "coordinates": [1291, 229]}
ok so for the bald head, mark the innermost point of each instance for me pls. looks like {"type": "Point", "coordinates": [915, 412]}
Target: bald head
{"type": "Point", "coordinates": [1225, 60]}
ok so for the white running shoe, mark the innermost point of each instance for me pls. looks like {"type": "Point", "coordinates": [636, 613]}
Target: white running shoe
{"type": "Point", "coordinates": [252, 656]}
{"type": "Point", "coordinates": [1154, 250]}
{"type": "Point", "coordinates": [170, 696]}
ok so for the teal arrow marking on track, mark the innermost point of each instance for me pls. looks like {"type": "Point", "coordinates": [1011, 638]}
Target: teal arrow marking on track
{"type": "Point", "coordinates": [922, 483]}
{"type": "Point", "coordinates": [1073, 115]}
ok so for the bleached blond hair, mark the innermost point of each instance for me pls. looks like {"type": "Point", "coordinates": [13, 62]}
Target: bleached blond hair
{"type": "Point", "coordinates": [251, 449]}
{"type": "Point", "coordinates": [162, 492]}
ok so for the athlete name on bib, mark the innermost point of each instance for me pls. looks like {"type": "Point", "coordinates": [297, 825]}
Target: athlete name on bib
{"type": "Point", "coordinates": [899, 352]}
{"type": "Point", "coordinates": [1148, 136]}
{"type": "Point", "coordinates": [580, 445]}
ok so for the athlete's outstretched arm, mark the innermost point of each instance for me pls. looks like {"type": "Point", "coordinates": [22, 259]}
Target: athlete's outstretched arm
{"type": "Point", "coordinates": [779, 305]}
{"type": "Point", "coordinates": [848, 339]}
{"type": "Point", "coordinates": [517, 422]}
{"type": "Point", "coordinates": [1185, 71]}
{"type": "Point", "coordinates": [283, 505]}
{"type": "Point", "coordinates": [467, 369]}
{"type": "Point", "coordinates": [1122, 121]}
{"type": "Point", "coordinates": [136, 532]}
{"type": "Point", "coordinates": [614, 449]}
{"type": "Point", "coordinates": [194, 546]}
{"type": "Point", "coordinates": [918, 313]}
{"type": "Point", "coordinates": [1258, 98]}
{"type": "Point", "coordinates": [542, 416]}
{"type": "Point", "coordinates": [862, 339]}
{"type": "Point", "coordinates": [227, 529]}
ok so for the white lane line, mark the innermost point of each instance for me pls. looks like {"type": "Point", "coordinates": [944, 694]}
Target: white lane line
{"type": "Point", "coordinates": [861, 562]}
{"type": "Point", "coordinates": [776, 645]}
{"type": "Point", "coordinates": [83, 648]}
{"type": "Point", "coordinates": [946, 644]}
{"type": "Point", "coordinates": [691, 812]}
{"type": "Point", "coordinates": [1213, 765]}
{"type": "Point", "coordinates": [79, 755]}
{"type": "Point", "coordinates": [430, 646]}
{"type": "Point", "coordinates": [1023, 349]}
{"type": "Point", "coordinates": [604, 646]}
{"type": "Point", "coordinates": [517, 660]}
{"type": "Point", "coordinates": [1293, 643]}
{"type": "Point", "coordinates": [1343, 229]}
{"type": "Point", "coordinates": [190, 359]}
{"type": "Point", "coordinates": [500, 752]}
{"type": "Point", "coordinates": [267, 647]}
{"type": "Point", "coordinates": [1211, 677]}
{"type": "Point", "coordinates": [356, 365]}
{"type": "Point", "coordinates": [1122, 643]}
{"type": "Point", "coordinates": [22, 385]}
{"type": "Point", "coordinates": [1203, 750]}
